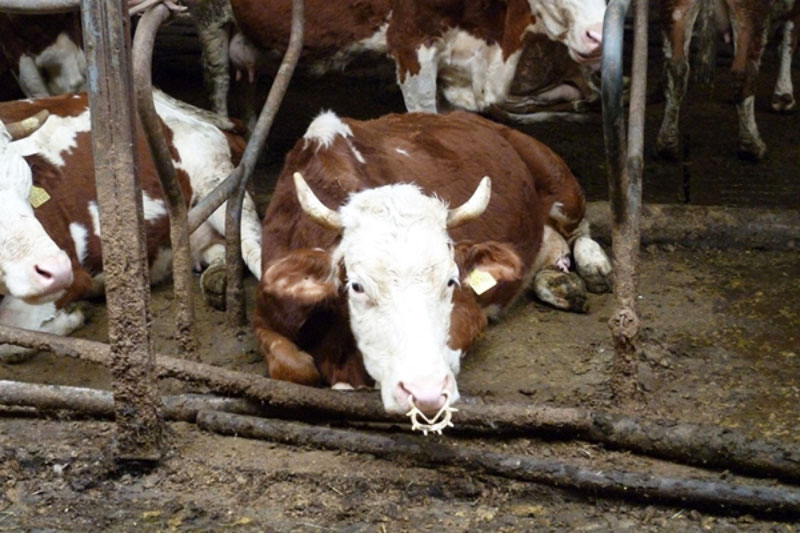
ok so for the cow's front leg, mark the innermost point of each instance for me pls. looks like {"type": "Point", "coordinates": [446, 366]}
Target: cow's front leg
{"type": "Point", "coordinates": [285, 360]}
{"type": "Point", "coordinates": [783, 96]}
{"type": "Point", "coordinates": [419, 85]}
{"type": "Point", "coordinates": [291, 290]}
{"type": "Point", "coordinates": [677, 38]}
{"type": "Point", "coordinates": [750, 36]}
{"type": "Point", "coordinates": [46, 318]}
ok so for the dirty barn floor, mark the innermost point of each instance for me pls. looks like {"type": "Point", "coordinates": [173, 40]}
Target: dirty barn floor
{"type": "Point", "coordinates": [722, 346]}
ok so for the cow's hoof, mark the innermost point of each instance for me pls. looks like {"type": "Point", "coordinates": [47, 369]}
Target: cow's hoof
{"type": "Point", "coordinates": [77, 314]}
{"type": "Point", "coordinates": [213, 282]}
{"type": "Point", "coordinates": [564, 290]}
{"type": "Point", "coordinates": [13, 355]}
{"type": "Point", "coordinates": [295, 366]}
{"type": "Point", "coordinates": [752, 151]}
{"type": "Point", "coordinates": [668, 148]}
{"type": "Point", "coordinates": [783, 103]}
{"type": "Point", "coordinates": [592, 265]}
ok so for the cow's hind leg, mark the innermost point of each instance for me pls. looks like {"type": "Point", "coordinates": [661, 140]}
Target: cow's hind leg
{"type": "Point", "coordinates": [211, 18]}
{"type": "Point", "coordinates": [589, 258]}
{"type": "Point", "coordinates": [553, 282]}
{"type": "Point", "coordinates": [591, 261]}
{"type": "Point", "coordinates": [783, 96]}
{"type": "Point", "coordinates": [44, 317]}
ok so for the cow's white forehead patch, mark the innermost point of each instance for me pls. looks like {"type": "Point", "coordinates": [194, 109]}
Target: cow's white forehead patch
{"type": "Point", "coordinates": [394, 206]}
{"type": "Point", "coordinates": [396, 232]}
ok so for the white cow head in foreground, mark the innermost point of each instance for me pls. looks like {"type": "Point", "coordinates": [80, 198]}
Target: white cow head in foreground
{"type": "Point", "coordinates": [578, 24]}
{"type": "Point", "coordinates": [32, 267]}
{"type": "Point", "coordinates": [401, 272]}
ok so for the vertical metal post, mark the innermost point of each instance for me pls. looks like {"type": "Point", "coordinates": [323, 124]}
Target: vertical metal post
{"type": "Point", "coordinates": [233, 217]}
{"type": "Point", "coordinates": [106, 31]}
{"type": "Point", "coordinates": [142, 53]}
{"type": "Point", "coordinates": [625, 166]}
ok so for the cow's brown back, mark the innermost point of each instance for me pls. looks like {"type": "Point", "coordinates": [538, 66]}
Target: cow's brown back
{"type": "Point", "coordinates": [447, 155]}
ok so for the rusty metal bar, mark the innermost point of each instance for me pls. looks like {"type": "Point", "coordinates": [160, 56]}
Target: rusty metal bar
{"type": "Point", "coordinates": [143, 42]}
{"type": "Point", "coordinates": [612, 89]}
{"type": "Point", "coordinates": [211, 202]}
{"type": "Point", "coordinates": [39, 7]}
{"type": "Point", "coordinates": [234, 302]}
{"type": "Point", "coordinates": [106, 30]}
{"type": "Point", "coordinates": [625, 166]}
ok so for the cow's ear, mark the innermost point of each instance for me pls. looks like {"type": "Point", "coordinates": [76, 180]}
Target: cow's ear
{"type": "Point", "coordinates": [306, 276]}
{"type": "Point", "coordinates": [498, 259]}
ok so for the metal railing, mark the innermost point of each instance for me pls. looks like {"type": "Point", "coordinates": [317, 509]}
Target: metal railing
{"type": "Point", "coordinates": [106, 27]}
{"type": "Point", "coordinates": [624, 155]}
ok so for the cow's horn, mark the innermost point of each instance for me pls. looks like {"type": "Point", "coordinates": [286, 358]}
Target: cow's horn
{"type": "Point", "coordinates": [23, 128]}
{"type": "Point", "coordinates": [318, 211]}
{"type": "Point", "coordinates": [472, 208]}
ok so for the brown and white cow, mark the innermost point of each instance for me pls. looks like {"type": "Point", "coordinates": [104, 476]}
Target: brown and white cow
{"type": "Point", "coordinates": [468, 51]}
{"type": "Point", "coordinates": [50, 244]}
{"type": "Point", "coordinates": [44, 52]}
{"type": "Point", "coordinates": [749, 21]}
{"type": "Point", "coordinates": [369, 276]}
{"type": "Point", "coordinates": [465, 51]}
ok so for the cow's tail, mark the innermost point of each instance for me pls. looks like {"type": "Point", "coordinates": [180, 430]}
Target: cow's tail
{"type": "Point", "coordinates": [250, 233]}
{"type": "Point", "coordinates": [204, 115]}
{"type": "Point", "coordinates": [251, 237]}
{"type": "Point", "coordinates": [706, 32]}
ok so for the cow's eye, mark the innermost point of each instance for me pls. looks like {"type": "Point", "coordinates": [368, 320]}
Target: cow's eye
{"type": "Point", "coordinates": [453, 282]}
{"type": "Point", "coordinates": [356, 287]}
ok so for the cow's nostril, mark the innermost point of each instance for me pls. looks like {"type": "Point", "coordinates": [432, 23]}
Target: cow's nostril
{"type": "Point", "coordinates": [44, 273]}
{"type": "Point", "coordinates": [594, 36]}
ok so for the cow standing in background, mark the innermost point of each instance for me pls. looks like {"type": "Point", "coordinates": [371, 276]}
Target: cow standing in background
{"type": "Point", "coordinates": [749, 22]}
{"type": "Point", "coordinates": [369, 276]}
{"type": "Point", "coordinates": [44, 52]}
{"type": "Point", "coordinates": [50, 247]}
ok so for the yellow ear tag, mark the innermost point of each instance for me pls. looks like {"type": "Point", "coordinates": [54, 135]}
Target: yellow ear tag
{"type": "Point", "coordinates": [480, 281]}
{"type": "Point", "coordinates": [38, 196]}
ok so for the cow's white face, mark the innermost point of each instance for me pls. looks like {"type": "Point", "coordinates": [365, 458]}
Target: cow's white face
{"type": "Point", "coordinates": [32, 267]}
{"type": "Point", "coordinates": [578, 24]}
{"type": "Point", "coordinates": [401, 273]}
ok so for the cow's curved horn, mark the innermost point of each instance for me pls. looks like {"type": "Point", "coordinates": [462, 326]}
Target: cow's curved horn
{"type": "Point", "coordinates": [472, 208]}
{"type": "Point", "coordinates": [318, 211]}
{"type": "Point", "coordinates": [23, 128]}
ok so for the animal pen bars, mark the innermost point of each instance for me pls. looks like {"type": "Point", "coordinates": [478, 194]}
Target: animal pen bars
{"type": "Point", "coordinates": [106, 27]}
{"type": "Point", "coordinates": [111, 81]}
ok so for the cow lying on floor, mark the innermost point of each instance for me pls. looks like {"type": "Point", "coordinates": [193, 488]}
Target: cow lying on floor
{"type": "Point", "coordinates": [459, 53]}
{"type": "Point", "coordinates": [369, 276]}
{"type": "Point", "coordinates": [50, 252]}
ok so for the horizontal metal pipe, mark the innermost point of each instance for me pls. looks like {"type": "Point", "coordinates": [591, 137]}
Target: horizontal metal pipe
{"type": "Point", "coordinates": [38, 7]}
